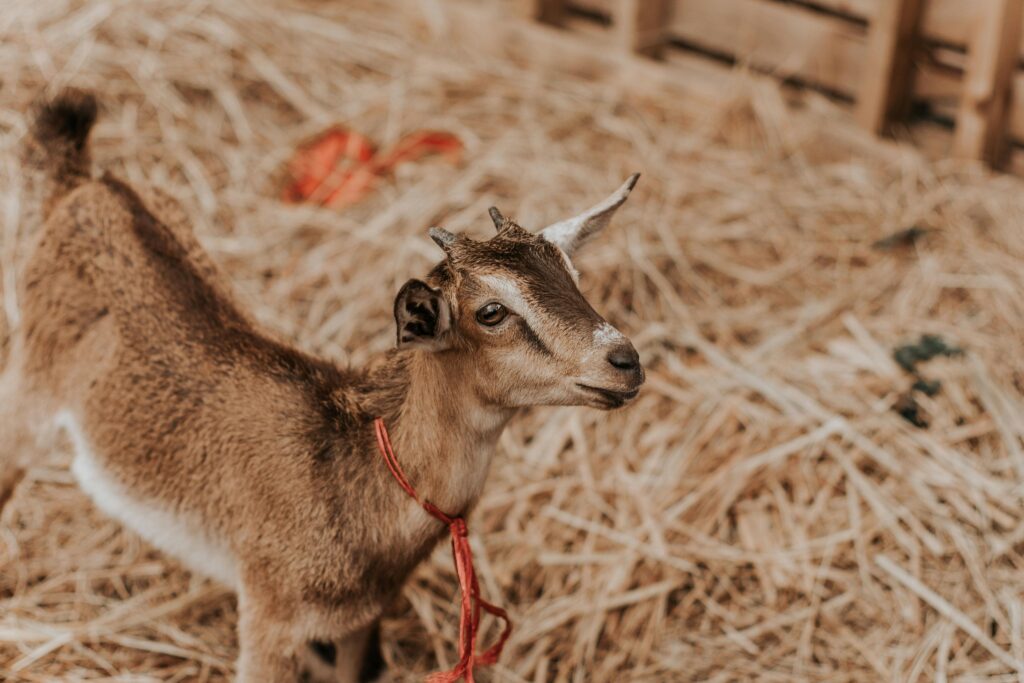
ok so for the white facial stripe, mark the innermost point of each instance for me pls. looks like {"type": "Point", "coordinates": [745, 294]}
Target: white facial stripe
{"type": "Point", "coordinates": [509, 293]}
{"type": "Point", "coordinates": [605, 335]}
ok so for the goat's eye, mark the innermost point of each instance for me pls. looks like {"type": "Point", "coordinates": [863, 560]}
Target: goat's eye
{"type": "Point", "coordinates": [491, 314]}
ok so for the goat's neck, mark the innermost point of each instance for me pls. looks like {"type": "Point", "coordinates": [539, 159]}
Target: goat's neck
{"type": "Point", "coordinates": [443, 432]}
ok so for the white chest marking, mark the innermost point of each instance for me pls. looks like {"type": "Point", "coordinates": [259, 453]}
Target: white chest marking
{"type": "Point", "coordinates": [168, 531]}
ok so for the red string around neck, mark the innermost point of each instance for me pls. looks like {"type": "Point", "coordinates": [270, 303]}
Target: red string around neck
{"type": "Point", "coordinates": [472, 603]}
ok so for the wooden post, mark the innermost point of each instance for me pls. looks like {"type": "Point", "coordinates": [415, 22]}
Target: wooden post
{"type": "Point", "coordinates": [993, 52]}
{"type": "Point", "coordinates": [546, 11]}
{"type": "Point", "coordinates": [641, 25]}
{"type": "Point", "coordinates": [886, 80]}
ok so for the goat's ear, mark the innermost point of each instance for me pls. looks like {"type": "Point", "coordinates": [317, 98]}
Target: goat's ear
{"type": "Point", "coordinates": [572, 233]}
{"type": "Point", "coordinates": [423, 317]}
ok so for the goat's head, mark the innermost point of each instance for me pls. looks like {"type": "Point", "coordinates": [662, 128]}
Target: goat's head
{"type": "Point", "coordinates": [510, 309]}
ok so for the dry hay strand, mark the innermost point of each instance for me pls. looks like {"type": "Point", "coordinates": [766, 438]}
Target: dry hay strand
{"type": "Point", "coordinates": [761, 513]}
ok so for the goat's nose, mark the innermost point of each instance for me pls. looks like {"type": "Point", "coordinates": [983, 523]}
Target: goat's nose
{"type": "Point", "coordinates": [624, 358]}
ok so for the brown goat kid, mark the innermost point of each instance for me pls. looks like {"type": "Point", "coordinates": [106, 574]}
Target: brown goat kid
{"type": "Point", "coordinates": [253, 462]}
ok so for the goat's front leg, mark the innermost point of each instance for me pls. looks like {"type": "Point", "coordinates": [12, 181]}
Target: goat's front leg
{"type": "Point", "coordinates": [267, 645]}
{"type": "Point", "coordinates": [354, 659]}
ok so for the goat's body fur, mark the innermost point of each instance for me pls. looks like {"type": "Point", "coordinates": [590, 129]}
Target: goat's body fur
{"type": "Point", "coordinates": [243, 457]}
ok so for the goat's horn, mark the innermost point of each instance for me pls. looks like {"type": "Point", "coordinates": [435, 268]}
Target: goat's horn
{"type": "Point", "coordinates": [496, 216]}
{"type": "Point", "coordinates": [442, 238]}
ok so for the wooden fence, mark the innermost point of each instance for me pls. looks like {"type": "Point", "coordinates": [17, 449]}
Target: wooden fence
{"type": "Point", "coordinates": [952, 61]}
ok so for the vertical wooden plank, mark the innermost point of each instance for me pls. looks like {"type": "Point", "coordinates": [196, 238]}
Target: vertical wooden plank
{"type": "Point", "coordinates": [641, 26]}
{"type": "Point", "coordinates": [886, 81]}
{"type": "Point", "coordinates": [546, 11]}
{"type": "Point", "coordinates": [982, 119]}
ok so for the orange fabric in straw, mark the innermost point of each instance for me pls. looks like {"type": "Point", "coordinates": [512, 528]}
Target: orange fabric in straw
{"type": "Point", "coordinates": [340, 167]}
{"type": "Point", "coordinates": [472, 603]}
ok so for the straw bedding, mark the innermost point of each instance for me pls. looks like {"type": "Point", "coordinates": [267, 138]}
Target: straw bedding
{"type": "Point", "coordinates": [763, 512]}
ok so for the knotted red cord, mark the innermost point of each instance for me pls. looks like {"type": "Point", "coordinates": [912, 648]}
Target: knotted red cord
{"type": "Point", "coordinates": [472, 603]}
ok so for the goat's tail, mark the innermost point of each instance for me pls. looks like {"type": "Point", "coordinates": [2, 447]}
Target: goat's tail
{"type": "Point", "coordinates": [59, 141]}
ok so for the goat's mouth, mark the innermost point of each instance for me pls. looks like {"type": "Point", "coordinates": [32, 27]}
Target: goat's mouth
{"type": "Point", "coordinates": [610, 398]}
